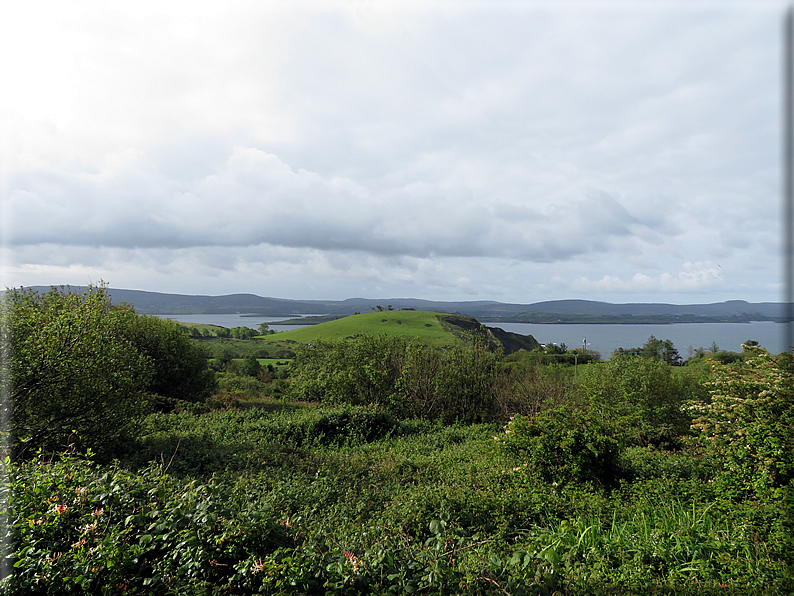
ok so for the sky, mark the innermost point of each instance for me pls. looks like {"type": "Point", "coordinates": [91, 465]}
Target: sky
{"type": "Point", "coordinates": [447, 150]}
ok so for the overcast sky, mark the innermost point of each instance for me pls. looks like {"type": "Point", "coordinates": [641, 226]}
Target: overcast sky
{"type": "Point", "coordinates": [512, 151]}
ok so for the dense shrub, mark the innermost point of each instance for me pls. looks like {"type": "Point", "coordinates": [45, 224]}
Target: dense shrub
{"type": "Point", "coordinates": [180, 367]}
{"type": "Point", "coordinates": [233, 383]}
{"type": "Point", "coordinates": [433, 509]}
{"type": "Point", "coordinates": [455, 384]}
{"type": "Point", "coordinates": [640, 397]}
{"type": "Point", "coordinates": [452, 384]}
{"type": "Point", "coordinates": [529, 389]}
{"type": "Point", "coordinates": [71, 367]}
{"type": "Point", "coordinates": [80, 367]}
{"type": "Point", "coordinates": [357, 371]}
{"type": "Point", "coordinates": [76, 529]}
{"type": "Point", "coordinates": [725, 357]}
{"type": "Point", "coordinates": [746, 425]}
{"type": "Point", "coordinates": [563, 444]}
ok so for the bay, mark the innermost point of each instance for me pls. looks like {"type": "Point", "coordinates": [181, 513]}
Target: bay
{"type": "Point", "coordinates": [230, 321]}
{"type": "Point", "coordinates": [605, 339]}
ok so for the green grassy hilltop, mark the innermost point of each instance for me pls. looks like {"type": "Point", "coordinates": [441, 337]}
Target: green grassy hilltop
{"type": "Point", "coordinates": [433, 328]}
{"type": "Point", "coordinates": [426, 326]}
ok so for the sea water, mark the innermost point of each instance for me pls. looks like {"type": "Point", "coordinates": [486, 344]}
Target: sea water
{"type": "Point", "coordinates": [605, 339]}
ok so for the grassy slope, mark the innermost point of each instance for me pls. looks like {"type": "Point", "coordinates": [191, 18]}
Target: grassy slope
{"type": "Point", "coordinates": [432, 328]}
{"type": "Point", "coordinates": [422, 325]}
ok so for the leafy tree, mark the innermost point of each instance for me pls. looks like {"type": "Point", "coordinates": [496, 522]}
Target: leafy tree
{"type": "Point", "coordinates": [180, 368]}
{"type": "Point", "coordinates": [663, 350]}
{"type": "Point", "coordinates": [263, 328]}
{"type": "Point", "coordinates": [72, 369]}
{"type": "Point", "coordinates": [250, 366]}
{"type": "Point", "coordinates": [242, 333]}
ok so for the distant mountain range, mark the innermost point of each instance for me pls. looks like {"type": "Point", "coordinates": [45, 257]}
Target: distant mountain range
{"type": "Point", "coordinates": [551, 311]}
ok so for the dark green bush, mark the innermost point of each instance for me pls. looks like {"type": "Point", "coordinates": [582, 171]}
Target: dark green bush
{"type": "Point", "coordinates": [242, 385]}
{"type": "Point", "coordinates": [563, 443]}
{"type": "Point", "coordinates": [330, 426]}
{"type": "Point", "coordinates": [357, 371]}
{"type": "Point", "coordinates": [71, 367]}
{"type": "Point", "coordinates": [640, 397]}
{"type": "Point", "coordinates": [643, 463]}
{"type": "Point", "coordinates": [180, 367]}
{"type": "Point", "coordinates": [410, 380]}
{"type": "Point", "coordinates": [455, 384]}
{"type": "Point", "coordinates": [249, 367]}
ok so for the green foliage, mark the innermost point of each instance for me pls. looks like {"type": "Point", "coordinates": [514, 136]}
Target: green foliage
{"type": "Point", "coordinates": [529, 389]}
{"type": "Point", "coordinates": [563, 444]}
{"type": "Point", "coordinates": [640, 398]}
{"type": "Point", "coordinates": [348, 495]}
{"type": "Point", "coordinates": [243, 385]}
{"type": "Point", "coordinates": [250, 366]}
{"type": "Point", "coordinates": [73, 370]}
{"type": "Point", "coordinates": [78, 529]}
{"type": "Point", "coordinates": [242, 333]}
{"type": "Point", "coordinates": [747, 423]}
{"type": "Point", "coordinates": [297, 500]}
{"type": "Point", "coordinates": [80, 367]}
{"type": "Point", "coordinates": [180, 367]}
{"type": "Point", "coordinates": [725, 357]}
{"type": "Point", "coordinates": [455, 384]}
{"type": "Point", "coordinates": [357, 371]}
{"type": "Point", "coordinates": [662, 350]}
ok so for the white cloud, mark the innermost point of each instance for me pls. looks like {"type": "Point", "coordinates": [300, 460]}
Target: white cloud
{"type": "Point", "coordinates": [696, 277]}
{"type": "Point", "coordinates": [418, 148]}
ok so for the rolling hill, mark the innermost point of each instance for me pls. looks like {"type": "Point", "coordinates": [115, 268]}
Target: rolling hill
{"type": "Point", "coordinates": [551, 311]}
{"type": "Point", "coordinates": [433, 328]}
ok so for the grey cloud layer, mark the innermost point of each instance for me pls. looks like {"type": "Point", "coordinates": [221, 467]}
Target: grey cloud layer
{"type": "Point", "coordinates": [256, 199]}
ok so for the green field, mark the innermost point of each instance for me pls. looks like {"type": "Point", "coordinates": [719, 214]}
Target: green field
{"type": "Point", "coordinates": [425, 326]}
